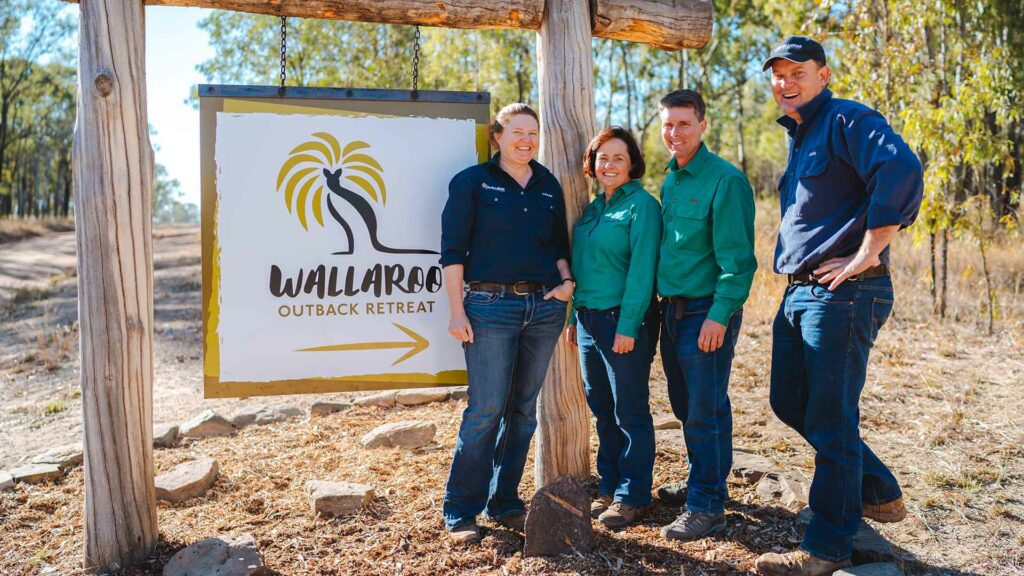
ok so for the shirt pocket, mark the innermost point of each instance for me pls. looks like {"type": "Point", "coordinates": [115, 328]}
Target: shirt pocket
{"type": "Point", "coordinates": [541, 214]}
{"type": "Point", "coordinates": [689, 226]}
{"type": "Point", "coordinates": [815, 194]}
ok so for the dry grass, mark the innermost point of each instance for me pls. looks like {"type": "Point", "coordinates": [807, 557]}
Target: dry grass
{"type": "Point", "coordinates": [14, 229]}
{"type": "Point", "coordinates": [944, 406]}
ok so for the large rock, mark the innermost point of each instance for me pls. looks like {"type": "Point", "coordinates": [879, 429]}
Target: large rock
{"type": "Point", "coordinates": [386, 399]}
{"type": "Point", "coordinates": [263, 415]}
{"type": "Point", "coordinates": [36, 473]}
{"type": "Point", "coordinates": [165, 435]}
{"type": "Point", "coordinates": [337, 498]}
{"type": "Point", "coordinates": [459, 393]}
{"type": "Point", "coordinates": [187, 480]}
{"type": "Point", "coordinates": [559, 520]}
{"type": "Point", "coordinates": [790, 488]}
{"type": "Point", "coordinates": [873, 569]}
{"type": "Point", "coordinates": [224, 556]}
{"type": "Point", "coordinates": [405, 434]}
{"type": "Point", "coordinates": [418, 396]}
{"type": "Point", "coordinates": [207, 425]}
{"type": "Point", "coordinates": [671, 438]}
{"type": "Point", "coordinates": [750, 467]}
{"type": "Point", "coordinates": [324, 408]}
{"type": "Point", "coordinates": [65, 457]}
{"type": "Point", "coordinates": [667, 422]}
{"type": "Point", "coordinates": [868, 545]}
{"type": "Point", "coordinates": [6, 480]}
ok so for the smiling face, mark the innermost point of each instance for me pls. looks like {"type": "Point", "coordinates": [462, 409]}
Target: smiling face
{"type": "Point", "coordinates": [612, 164]}
{"type": "Point", "coordinates": [681, 132]}
{"type": "Point", "coordinates": [797, 83]}
{"type": "Point", "coordinates": [519, 139]}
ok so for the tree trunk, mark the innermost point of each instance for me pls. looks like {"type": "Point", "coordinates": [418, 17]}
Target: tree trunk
{"type": "Point", "coordinates": [990, 293]}
{"type": "Point", "coordinates": [566, 73]}
{"type": "Point", "coordinates": [933, 260]}
{"type": "Point", "coordinates": [945, 273]}
{"type": "Point", "coordinates": [113, 174]}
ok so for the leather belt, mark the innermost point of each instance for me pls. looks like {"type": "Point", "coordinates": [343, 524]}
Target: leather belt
{"type": "Point", "coordinates": [678, 304]}
{"type": "Point", "coordinates": [521, 288]}
{"type": "Point", "coordinates": [880, 271]}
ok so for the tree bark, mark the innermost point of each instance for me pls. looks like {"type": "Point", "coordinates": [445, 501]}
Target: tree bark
{"type": "Point", "coordinates": [113, 173]}
{"type": "Point", "coordinates": [566, 73]}
{"type": "Point", "coordinates": [667, 24]}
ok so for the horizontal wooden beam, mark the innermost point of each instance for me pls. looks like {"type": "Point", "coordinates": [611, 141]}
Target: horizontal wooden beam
{"type": "Point", "coordinates": [667, 24]}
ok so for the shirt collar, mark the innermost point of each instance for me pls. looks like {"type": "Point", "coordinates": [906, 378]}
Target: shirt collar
{"type": "Point", "coordinates": [807, 112]}
{"type": "Point", "coordinates": [623, 191]}
{"type": "Point", "coordinates": [494, 165]}
{"type": "Point", "coordinates": [694, 165]}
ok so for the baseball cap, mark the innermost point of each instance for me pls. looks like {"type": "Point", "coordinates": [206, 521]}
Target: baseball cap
{"type": "Point", "coordinates": [796, 49]}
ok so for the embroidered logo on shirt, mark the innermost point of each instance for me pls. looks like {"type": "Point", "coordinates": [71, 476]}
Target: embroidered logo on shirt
{"type": "Point", "coordinates": [815, 153]}
{"type": "Point", "coordinates": [546, 194]}
{"type": "Point", "coordinates": [485, 186]}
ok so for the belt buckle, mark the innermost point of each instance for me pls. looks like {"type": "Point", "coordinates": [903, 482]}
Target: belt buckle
{"type": "Point", "coordinates": [515, 288]}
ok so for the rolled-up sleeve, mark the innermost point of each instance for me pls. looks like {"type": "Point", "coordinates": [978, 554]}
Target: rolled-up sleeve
{"type": "Point", "coordinates": [892, 172]}
{"type": "Point", "coordinates": [732, 233]}
{"type": "Point", "coordinates": [457, 221]}
{"type": "Point", "coordinates": [644, 241]}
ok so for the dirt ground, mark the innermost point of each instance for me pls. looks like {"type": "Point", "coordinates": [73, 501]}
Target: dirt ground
{"type": "Point", "coordinates": [944, 406]}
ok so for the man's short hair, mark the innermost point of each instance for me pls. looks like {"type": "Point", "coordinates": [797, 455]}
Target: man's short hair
{"type": "Point", "coordinates": [684, 99]}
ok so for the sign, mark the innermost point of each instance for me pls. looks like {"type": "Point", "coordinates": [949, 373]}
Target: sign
{"type": "Point", "coordinates": [321, 227]}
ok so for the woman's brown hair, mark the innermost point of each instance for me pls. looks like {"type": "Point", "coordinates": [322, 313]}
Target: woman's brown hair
{"type": "Point", "coordinates": [636, 158]}
{"type": "Point", "coordinates": [504, 116]}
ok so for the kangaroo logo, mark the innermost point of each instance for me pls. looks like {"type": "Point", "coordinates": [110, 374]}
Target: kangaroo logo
{"type": "Point", "coordinates": [321, 162]}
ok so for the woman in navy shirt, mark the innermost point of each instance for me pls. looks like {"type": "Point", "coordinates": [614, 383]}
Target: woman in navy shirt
{"type": "Point", "coordinates": [505, 253]}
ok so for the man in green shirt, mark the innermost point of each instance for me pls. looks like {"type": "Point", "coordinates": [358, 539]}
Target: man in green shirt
{"type": "Point", "coordinates": [705, 268]}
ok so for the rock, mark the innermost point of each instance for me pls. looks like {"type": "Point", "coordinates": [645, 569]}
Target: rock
{"type": "Point", "coordinates": [671, 438]}
{"type": "Point", "coordinates": [459, 393]}
{"type": "Point", "coordinates": [165, 435]}
{"type": "Point", "coordinates": [224, 556]}
{"type": "Point", "coordinates": [65, 457]}
{"type": "Point", "coordinates": [6, 480]}
{"type": "Point", "coordinates": [337, 498]}
{"type": "Point", "coordinates": [325, 408]}
{"type": "Point", "coordinates": [263, 415]}
{"type": "Point", "coordinates": [384, 399]}
{"type": "Point", "coordinates": [187, 480]}
{"type": "Point", "coordinates": [36, 473]}
{"type": "Point", "coordinates": [873, 569]}
{"type": "Point", "coordinates": [750, 467]}
{"type": "Point", "coordinates": [420, 396]}
{"type": "Point", "coordinates": [667, 422]}
{"type": "Point", "coordinates": [559, 520]}
{"type": "Point", "coordinates": [791, 488]}
{"type": "Point", "coordinates": [207, 425]}
{"type": "Point", "coordinates": [405, 434]}
{"type": "Point", "coordinates": [868, 545]}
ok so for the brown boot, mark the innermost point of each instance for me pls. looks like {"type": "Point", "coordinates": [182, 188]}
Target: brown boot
{"type": "Point", "coordinates": [619, 515]}
{"type": "Point", "coordinates": [796, 563]}
{"type": "Point", "coordinates": [465, 533]}
{"type": "Point", "coordinates": [599, 505]}
{"type": "Point", "coordinates": [886, 512]}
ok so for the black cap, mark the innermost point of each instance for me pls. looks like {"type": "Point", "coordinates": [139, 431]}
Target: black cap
{"type": "Point", "coordinates": [796, 49]}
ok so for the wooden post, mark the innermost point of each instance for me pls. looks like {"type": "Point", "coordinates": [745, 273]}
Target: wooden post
{"type": "Point", "coordinates": [567, 123]}
{"type": "Point", "coordinates": [113, 175]}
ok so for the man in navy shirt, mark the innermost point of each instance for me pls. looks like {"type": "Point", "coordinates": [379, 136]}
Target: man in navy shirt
{"type": "Point", "coordinates": [850, 184]}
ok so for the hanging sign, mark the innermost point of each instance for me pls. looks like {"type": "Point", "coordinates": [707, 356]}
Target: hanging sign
{"type": "Point", "coordinates": [321, 226]}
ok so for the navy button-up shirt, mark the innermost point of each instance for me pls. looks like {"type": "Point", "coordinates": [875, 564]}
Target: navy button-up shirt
{"type": "Point", "coordinates": [501, 231]}
{"type": "Point", "coordinates": [848, 172]}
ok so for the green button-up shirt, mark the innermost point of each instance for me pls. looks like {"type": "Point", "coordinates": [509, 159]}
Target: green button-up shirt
{"type": "Point", "coordinates": [614, 255]}
{"type": "Point", "coordinates": [707, 248]}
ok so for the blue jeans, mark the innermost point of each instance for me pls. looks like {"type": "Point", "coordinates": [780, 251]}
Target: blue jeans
{"type": "Point", "coordinates": [513, 340]}
{"type": "Point", "coordinates": [698, 389]}
{"type": "Point", "coordinates": [820, 345]}
{"type": "Point", "coordinates": [617, 393]}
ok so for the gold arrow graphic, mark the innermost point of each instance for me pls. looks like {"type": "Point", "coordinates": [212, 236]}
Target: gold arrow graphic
{"type": "Point", "coordinates": [417, 345]}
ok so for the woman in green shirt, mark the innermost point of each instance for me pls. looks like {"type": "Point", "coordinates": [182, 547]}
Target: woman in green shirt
{"type": "Point", "coordinates": [614, 259]}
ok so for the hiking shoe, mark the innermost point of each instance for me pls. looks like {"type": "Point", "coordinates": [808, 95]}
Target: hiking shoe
{"type": "Point", "coordinates": [893, 511]}
{"type": "Point", "coordinates": [465, 533]}
{"type": "Point", "coordinates": [515, 521]}
{"type": "Point", "coordinates": [693, 526]}
{"type": "Point", "coordinates": [599, 505]}
{"type": "Point", "coordinates": [796, 563]}
{"type": "Point", "coordinates": [673, 493]}
{"type": "Point", "coordinates": [619, 515]}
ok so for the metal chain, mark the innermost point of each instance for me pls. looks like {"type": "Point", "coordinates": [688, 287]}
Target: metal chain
{"type": "Point", "coordinates": [416, 63]}
{"type": "Point", "coordinates": [284, 48]}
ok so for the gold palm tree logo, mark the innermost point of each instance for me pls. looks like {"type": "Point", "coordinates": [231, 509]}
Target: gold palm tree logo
{"type": "Point", "coordinates": [322, 161]}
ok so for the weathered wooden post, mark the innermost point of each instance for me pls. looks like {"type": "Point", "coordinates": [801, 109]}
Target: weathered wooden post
{"type": "Point", "coordinates": [565, 71]}
{"type": "Point", "coordinates": [113, 173]}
